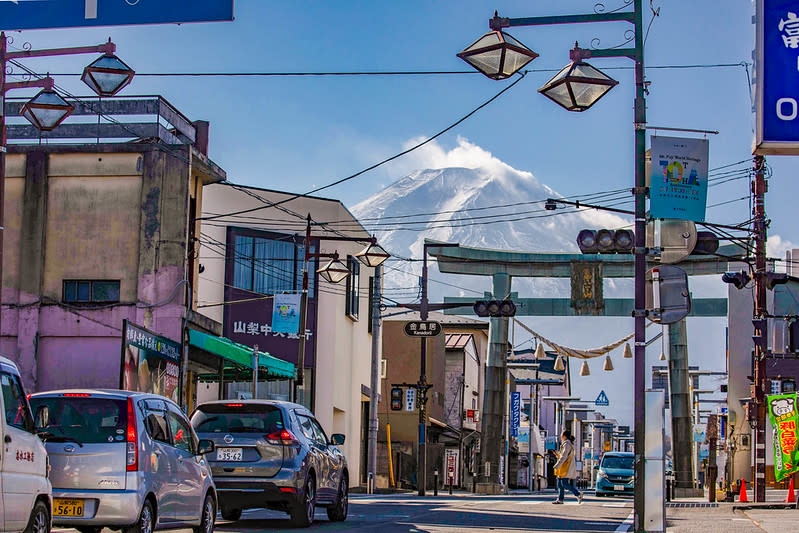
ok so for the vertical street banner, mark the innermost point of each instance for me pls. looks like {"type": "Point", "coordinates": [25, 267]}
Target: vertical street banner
{"type": "Point", "coordinates": [286, 313]}
{"type": "Point", "coordinates": [679, 178]}
{"type": "Point", "coordinates": [515, 413]}
{"type": "Point", "coordinates": [451, 460]}
{"type": "Point", "coordinates": [784, 420]}
{"type": "Point", "coordinates": [150, 362]}
{"type": "Point", "coordinates": [776, 77]}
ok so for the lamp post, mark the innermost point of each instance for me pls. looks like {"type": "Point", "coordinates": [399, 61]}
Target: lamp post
{"type": "Point", "coordinates": [334, 272]}
{"type": "Point", "coordinates": [577, 88]}
{"type": "Point", "coordinates": [106, 76]}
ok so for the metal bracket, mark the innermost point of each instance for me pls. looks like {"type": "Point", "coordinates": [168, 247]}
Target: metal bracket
{"type": "Point", "coordinates": [639, 312]}
{"type": "Point", "coordinates": [639, 190]}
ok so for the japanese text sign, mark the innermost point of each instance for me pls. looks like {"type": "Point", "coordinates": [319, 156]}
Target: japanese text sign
{"type": "Point", "coordinates": [150, 363]}
{"type": "Point", "coordinates": [515, 413]}
{"type": "Point", "coordinates": [41, 14]}
{"type": "Point", "coordinates": [679, 178]}
{"type": "Point", "coordinates": [777, 77]}
{"type": "Point", "coordinates": [286, 313]}
{"type": "Point", "coordinates": [784, 421]}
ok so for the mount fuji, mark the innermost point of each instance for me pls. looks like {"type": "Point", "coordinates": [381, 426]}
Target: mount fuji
{"type": "Point", "coordinates": [458, 204]}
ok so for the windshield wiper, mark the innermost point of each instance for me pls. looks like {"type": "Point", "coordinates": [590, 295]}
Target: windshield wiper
{"type": "Point", "coordinates": [47, 436]}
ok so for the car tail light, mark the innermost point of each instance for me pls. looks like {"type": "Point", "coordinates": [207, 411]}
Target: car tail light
{"type": "Point", "coordinates": [76, 395]}
{"type": "Point", "coordinates": [282, 437]}
{"type": "Point", "coordinates": [288, 489]}
{"type": "Point", "coordinates": [133, 442]}
{"type": "Point", "coordinates": [234, 405]}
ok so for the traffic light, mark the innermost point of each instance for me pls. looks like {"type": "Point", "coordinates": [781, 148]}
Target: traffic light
{"type": "Point", "coordinates": [494, 308]}
{"type": "Point", "coordinates": [396, 399]}
{"type": "Point", "coordinates": [760, 338]}
{"type": "Point", "coordinates": [739, 279]}
{"type": "Point", "coordinates": [605, 241]}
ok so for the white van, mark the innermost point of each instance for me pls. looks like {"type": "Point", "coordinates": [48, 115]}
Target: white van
{"type": "Point", "coordinates": [25, 491]}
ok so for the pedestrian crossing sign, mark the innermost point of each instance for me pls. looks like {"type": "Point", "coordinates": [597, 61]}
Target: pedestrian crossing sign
{"type": "Point", "coordinates": [602, 399]}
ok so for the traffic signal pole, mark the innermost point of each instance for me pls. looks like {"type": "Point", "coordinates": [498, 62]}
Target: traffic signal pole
{"type": "Point", "coordinates": [759, 188]}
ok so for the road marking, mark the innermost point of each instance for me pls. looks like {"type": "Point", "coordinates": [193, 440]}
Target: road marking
{"type": "Point", "coordinates": [619, 505]}
{"type": "Point", "coordinates": [624, 526]}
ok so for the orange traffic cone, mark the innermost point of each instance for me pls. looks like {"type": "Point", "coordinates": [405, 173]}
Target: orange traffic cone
{"type": "Point", "coordinates": [791, 498]}
{"type": "Point", "coordinates": [742, 498]}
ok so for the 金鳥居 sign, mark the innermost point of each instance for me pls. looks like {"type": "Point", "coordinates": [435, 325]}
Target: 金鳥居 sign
{"type": "Point", "coordinates": [150, 362]}
{"type": "Point", "coordinates": [679, 178]}
{"type": "Point", "coordinates": [784, 422]}
{"type": "Point", "coordinates": [777, 77]}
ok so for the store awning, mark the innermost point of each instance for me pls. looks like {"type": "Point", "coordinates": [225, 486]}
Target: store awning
{"type": "Point", "coordinates": [239, 358]}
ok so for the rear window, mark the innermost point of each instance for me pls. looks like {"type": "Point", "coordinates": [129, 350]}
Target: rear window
{"type": "Point", "coordinates": [88, 420]}
{"type": "Point", "coordinates": [237, 418]}
{"type": "Point", "coordinates": [625, 463]}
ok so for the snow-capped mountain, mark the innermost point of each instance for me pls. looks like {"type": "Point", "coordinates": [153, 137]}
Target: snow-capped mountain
{"type": "Point", "coordinates": [448, 202]}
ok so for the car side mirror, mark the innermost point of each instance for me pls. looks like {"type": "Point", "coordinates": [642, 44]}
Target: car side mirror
{"type": "Point", "coordinates": [337, 439]}
{"type": "Point", "coordinates": [205, 446]}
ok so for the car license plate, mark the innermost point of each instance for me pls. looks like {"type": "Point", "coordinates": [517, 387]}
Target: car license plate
{"type": "Point", "coordinates": [618, 487]}
{"type": "Point", "coordinates": [229, 454]}
{"type": "Point", "coordinates": [63, 507]}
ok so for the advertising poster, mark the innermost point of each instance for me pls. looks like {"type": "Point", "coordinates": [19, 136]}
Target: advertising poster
{"type": "Point", "coordinates": [515, 413]}
{"type": "Point", "coordinates": [784, 418]}
{"type": "Point", "coordinates": [150, 362]}
{"type": "Point", "coordinates": [286, 313]}
{"type": "Point", "coordinates": [679, 178]}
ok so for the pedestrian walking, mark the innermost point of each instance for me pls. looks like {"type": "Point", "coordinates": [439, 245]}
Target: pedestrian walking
{"type": "Point", "coordinates": [565, 468]}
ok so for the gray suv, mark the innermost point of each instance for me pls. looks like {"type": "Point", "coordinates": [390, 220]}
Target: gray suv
{"type": "Point", "coordinates": [124, 460]}
{"type": "Point", "coordinates": [273, 455]}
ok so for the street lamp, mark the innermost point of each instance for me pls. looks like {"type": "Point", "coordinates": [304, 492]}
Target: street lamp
{"type": "Point", "coordinates": [373, 255]}
{"type": "Point", "coordinates": [578, 85]}
{"type": "Point", "coordinates": [578, 101]}
{"type": "Point", "coordinates": [334, 271]}
{"type": "Point", "coordinates": [107, 75]}
{"type": "Point", "coordinates": [497, 55]}
{"type": "Point", "coordinates": [47, 109]}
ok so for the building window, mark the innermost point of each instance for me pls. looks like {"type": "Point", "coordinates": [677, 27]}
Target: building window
{"type": "Point", "coordinates": [353, 283]}
{"type": "Point", "coordinates": [270, 265]}
{"type": "Point", "coordinates": [788, 386]}
{"type": "Point", "coordinates": [776, 386]}
{"type": "Point", "coordinates": [90, 291]}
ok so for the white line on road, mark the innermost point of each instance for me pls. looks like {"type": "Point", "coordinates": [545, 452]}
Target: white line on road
{"type": "Point", "coordinates": [624, 526]}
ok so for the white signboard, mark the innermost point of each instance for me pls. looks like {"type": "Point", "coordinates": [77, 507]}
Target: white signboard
{"type": "Point", "coordinates": [410, 399]}
{"type": "Point", "coordinates": [451, 466]}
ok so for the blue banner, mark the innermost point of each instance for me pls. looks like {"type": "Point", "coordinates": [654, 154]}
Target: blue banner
{"type": "Point", "coordinates": [777, 77]}
{"type": "Point", "coordinates": [42, 14]}
{"type": "Point", "coordinates": [679, 178]}
{"type": "Point", "coordinates": [515, 413]}
{"type": "Point", "coordinates": [286, 313]}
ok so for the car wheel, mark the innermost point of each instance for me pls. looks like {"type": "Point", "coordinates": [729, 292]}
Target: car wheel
{"type": "Point", "coordinates": [208, 517]}
{"type": "Point", "coordinates": [146, 523]}
{"type": "Point", "coordinates": [302, 513]}
{"type": "Point", "coordinates": [89, 529]}
{"type": "Point", "coordinates": [39, 522]}
{"type": "Point", "coordinates": [338, 511]}
{"type": "Point", "coordinates": [231, 514]}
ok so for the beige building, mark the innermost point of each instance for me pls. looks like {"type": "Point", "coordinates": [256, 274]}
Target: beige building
{"type": "Point", "coordinates": [258, 251]}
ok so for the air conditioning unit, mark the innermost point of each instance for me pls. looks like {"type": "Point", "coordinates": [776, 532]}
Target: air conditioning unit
{"type": "Point", "coordinates": [383, 368]}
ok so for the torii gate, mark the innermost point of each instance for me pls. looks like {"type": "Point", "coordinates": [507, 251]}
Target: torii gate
{"type": "Point", "coordinates": [502, 266]}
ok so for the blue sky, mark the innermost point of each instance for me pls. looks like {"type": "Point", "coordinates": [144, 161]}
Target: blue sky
{"type": "Point", "coordinates": [297, 133]}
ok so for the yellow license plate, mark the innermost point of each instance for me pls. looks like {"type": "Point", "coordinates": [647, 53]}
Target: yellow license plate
{"type": "Point", "coordinates": [62, 507]}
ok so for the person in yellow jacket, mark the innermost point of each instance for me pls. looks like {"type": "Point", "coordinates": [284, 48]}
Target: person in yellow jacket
{"type": "Point", "coordinates": [566, 469]}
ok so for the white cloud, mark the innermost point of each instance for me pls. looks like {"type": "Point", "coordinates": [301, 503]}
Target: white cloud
{"type": "Point", "coordinates": [465, 155]}
{"type": "Point", "coordinates": [776, 246]}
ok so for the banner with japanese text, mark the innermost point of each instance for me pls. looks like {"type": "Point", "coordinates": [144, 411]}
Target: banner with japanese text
{"type": "Point", "coordinates": [286, 313]}
{"type": "Point", "coordinates": [784, 421]}
{"type": "Point", "coordinates": [679, 178]}
{"type": "Point", "coordinates": [150, 363]}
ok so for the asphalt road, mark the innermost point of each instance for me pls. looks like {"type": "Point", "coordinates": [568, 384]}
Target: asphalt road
{"type": "Point", "coordinates": [518, 512]}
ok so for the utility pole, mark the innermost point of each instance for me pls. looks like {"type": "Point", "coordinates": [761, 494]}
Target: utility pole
{"type": "Point", "coordinates": [759, 188]}
{"type": "Point", "coordinates": [374, 384]}
{"type": "Point", "coordinates": [422, 386]}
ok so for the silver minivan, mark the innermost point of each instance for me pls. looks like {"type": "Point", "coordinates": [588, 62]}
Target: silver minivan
{"type": "Point", "coordinates": [124, 460]}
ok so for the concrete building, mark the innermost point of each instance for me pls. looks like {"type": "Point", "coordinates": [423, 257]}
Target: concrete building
{"type": "Point", "coordinates": [248, 258]}
{"type": "Point", "coordinates": [97, 233]}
